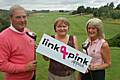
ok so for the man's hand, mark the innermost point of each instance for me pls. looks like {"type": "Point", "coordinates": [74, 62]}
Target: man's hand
{"type": "Point", "coordinates": [31, 66]}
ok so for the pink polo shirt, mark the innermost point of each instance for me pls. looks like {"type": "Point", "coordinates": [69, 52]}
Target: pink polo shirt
{"type": "Point", "coordinates": [95, 51]}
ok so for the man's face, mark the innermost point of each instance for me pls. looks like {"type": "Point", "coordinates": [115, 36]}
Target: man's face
{"type": "Point", "coordinates": [19, 20]}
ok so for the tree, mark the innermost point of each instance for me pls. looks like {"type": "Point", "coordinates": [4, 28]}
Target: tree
{"type": "Point", "coordinates": [81, 9]}
{"type": "Point", "coordinates": [115, 14]}
{"type": "Point", "coordinates": [104, 11]}
{"type": "Point", "coordinates": [111, 5]}
{"type": "Point", "coordinates": [95, 12]}
{"type": "Point", "coordinates": [4, 21]}
{"type": "Point", "coordinates": [88, 10]}
{"type": "Point", "coordinates": [118, 7]}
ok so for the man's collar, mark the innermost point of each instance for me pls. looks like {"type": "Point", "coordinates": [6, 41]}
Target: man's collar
{"type": "Point", "coordinates": [12, 28]}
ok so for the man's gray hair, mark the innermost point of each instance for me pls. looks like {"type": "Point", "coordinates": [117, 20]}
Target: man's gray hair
{"type": "Point", "coordinates": [15, 7]}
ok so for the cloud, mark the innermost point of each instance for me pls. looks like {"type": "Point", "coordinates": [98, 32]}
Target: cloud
{"type": "Point", "coordinates": [42, 4]}
{"type": "Point", "coordinates": [70, 2]}
{"type": "Point", "coordinates": [55, 4]}
{"type": "Point", "coordinates": [106, 1]}
{"type": "Point", "coordinates": [98, 3]}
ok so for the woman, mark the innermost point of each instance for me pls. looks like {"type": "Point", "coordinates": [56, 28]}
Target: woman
{"type": "Point", "coordinates": [98, 49]}
{"type": "Point", "coordinates": [58, 71]}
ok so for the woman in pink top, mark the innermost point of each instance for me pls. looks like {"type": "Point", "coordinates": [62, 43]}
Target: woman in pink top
{"type": "Point", "coordinates": [98, 49]}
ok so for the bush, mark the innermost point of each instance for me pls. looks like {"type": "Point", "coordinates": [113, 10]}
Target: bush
{"type": "Point", "coordinates": [4, 25]}
{"type": "Point", "coordinates": [114, 41]}
{"type": "Point", "coordinates": [74, 12]}
{"type": "Point", "coordinates": [115, 14]}
{"type": "Point", "coordinates": [4, 21]}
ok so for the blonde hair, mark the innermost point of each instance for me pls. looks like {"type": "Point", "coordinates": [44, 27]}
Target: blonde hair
{"type": "Point", "coordinates": [98, 24]}
{"type": "Point", "coordinates": [61, 19]}
{"type": "Point", "coordinates": [15, 7]}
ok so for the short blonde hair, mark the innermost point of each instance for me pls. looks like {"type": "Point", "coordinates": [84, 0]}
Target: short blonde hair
{"type": "Point", "coordinates": [98, 24]}
{"type": "Point", "coordinates": [15, 7]}
{"type": "Point", "coordinates": [61, 19]}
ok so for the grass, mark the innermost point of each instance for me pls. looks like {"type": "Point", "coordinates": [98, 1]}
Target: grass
{"type": "Point", "coordinates": [113, 72]}
{"type": "Point", "coordinates": [43, 23]}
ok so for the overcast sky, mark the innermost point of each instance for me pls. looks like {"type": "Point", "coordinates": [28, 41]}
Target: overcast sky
{"type": "Point", "coordinates": [55, 4]}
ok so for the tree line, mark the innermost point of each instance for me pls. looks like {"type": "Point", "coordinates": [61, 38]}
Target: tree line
{"type": "Point", "coordinates": [106, 11]}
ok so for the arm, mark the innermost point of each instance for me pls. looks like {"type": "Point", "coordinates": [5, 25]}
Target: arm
{"type": "Point", "coordinates": [5, 63]}
{"type": "Point", "coordinates": [106, 56]}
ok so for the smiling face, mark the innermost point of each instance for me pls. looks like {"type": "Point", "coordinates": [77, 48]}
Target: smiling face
{"type": "Point", "coordinates": [92, 31]}
{"type": "Point", "coordinates": [19, 20]}
{"type": "Point", "coordinates": [61, 28]}
{"type": "Point", "coordinates": [94, 28]}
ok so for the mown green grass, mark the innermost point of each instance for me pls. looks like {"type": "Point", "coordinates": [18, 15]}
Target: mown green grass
{"type": "Point", "coordinates": [43, 23]}
{"type": "Point", "coordinates": [113, 72]}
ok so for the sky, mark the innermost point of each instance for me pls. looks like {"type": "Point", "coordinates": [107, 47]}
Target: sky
{"type": "Point", "coordinates": [55, 4]}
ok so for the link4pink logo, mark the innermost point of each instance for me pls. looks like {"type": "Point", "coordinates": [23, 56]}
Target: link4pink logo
{"type": "Point", "coordinates": [76, 59]}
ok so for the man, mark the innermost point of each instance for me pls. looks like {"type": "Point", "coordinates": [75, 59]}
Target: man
{"type": "Point", "coordinates": [17, 49]}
